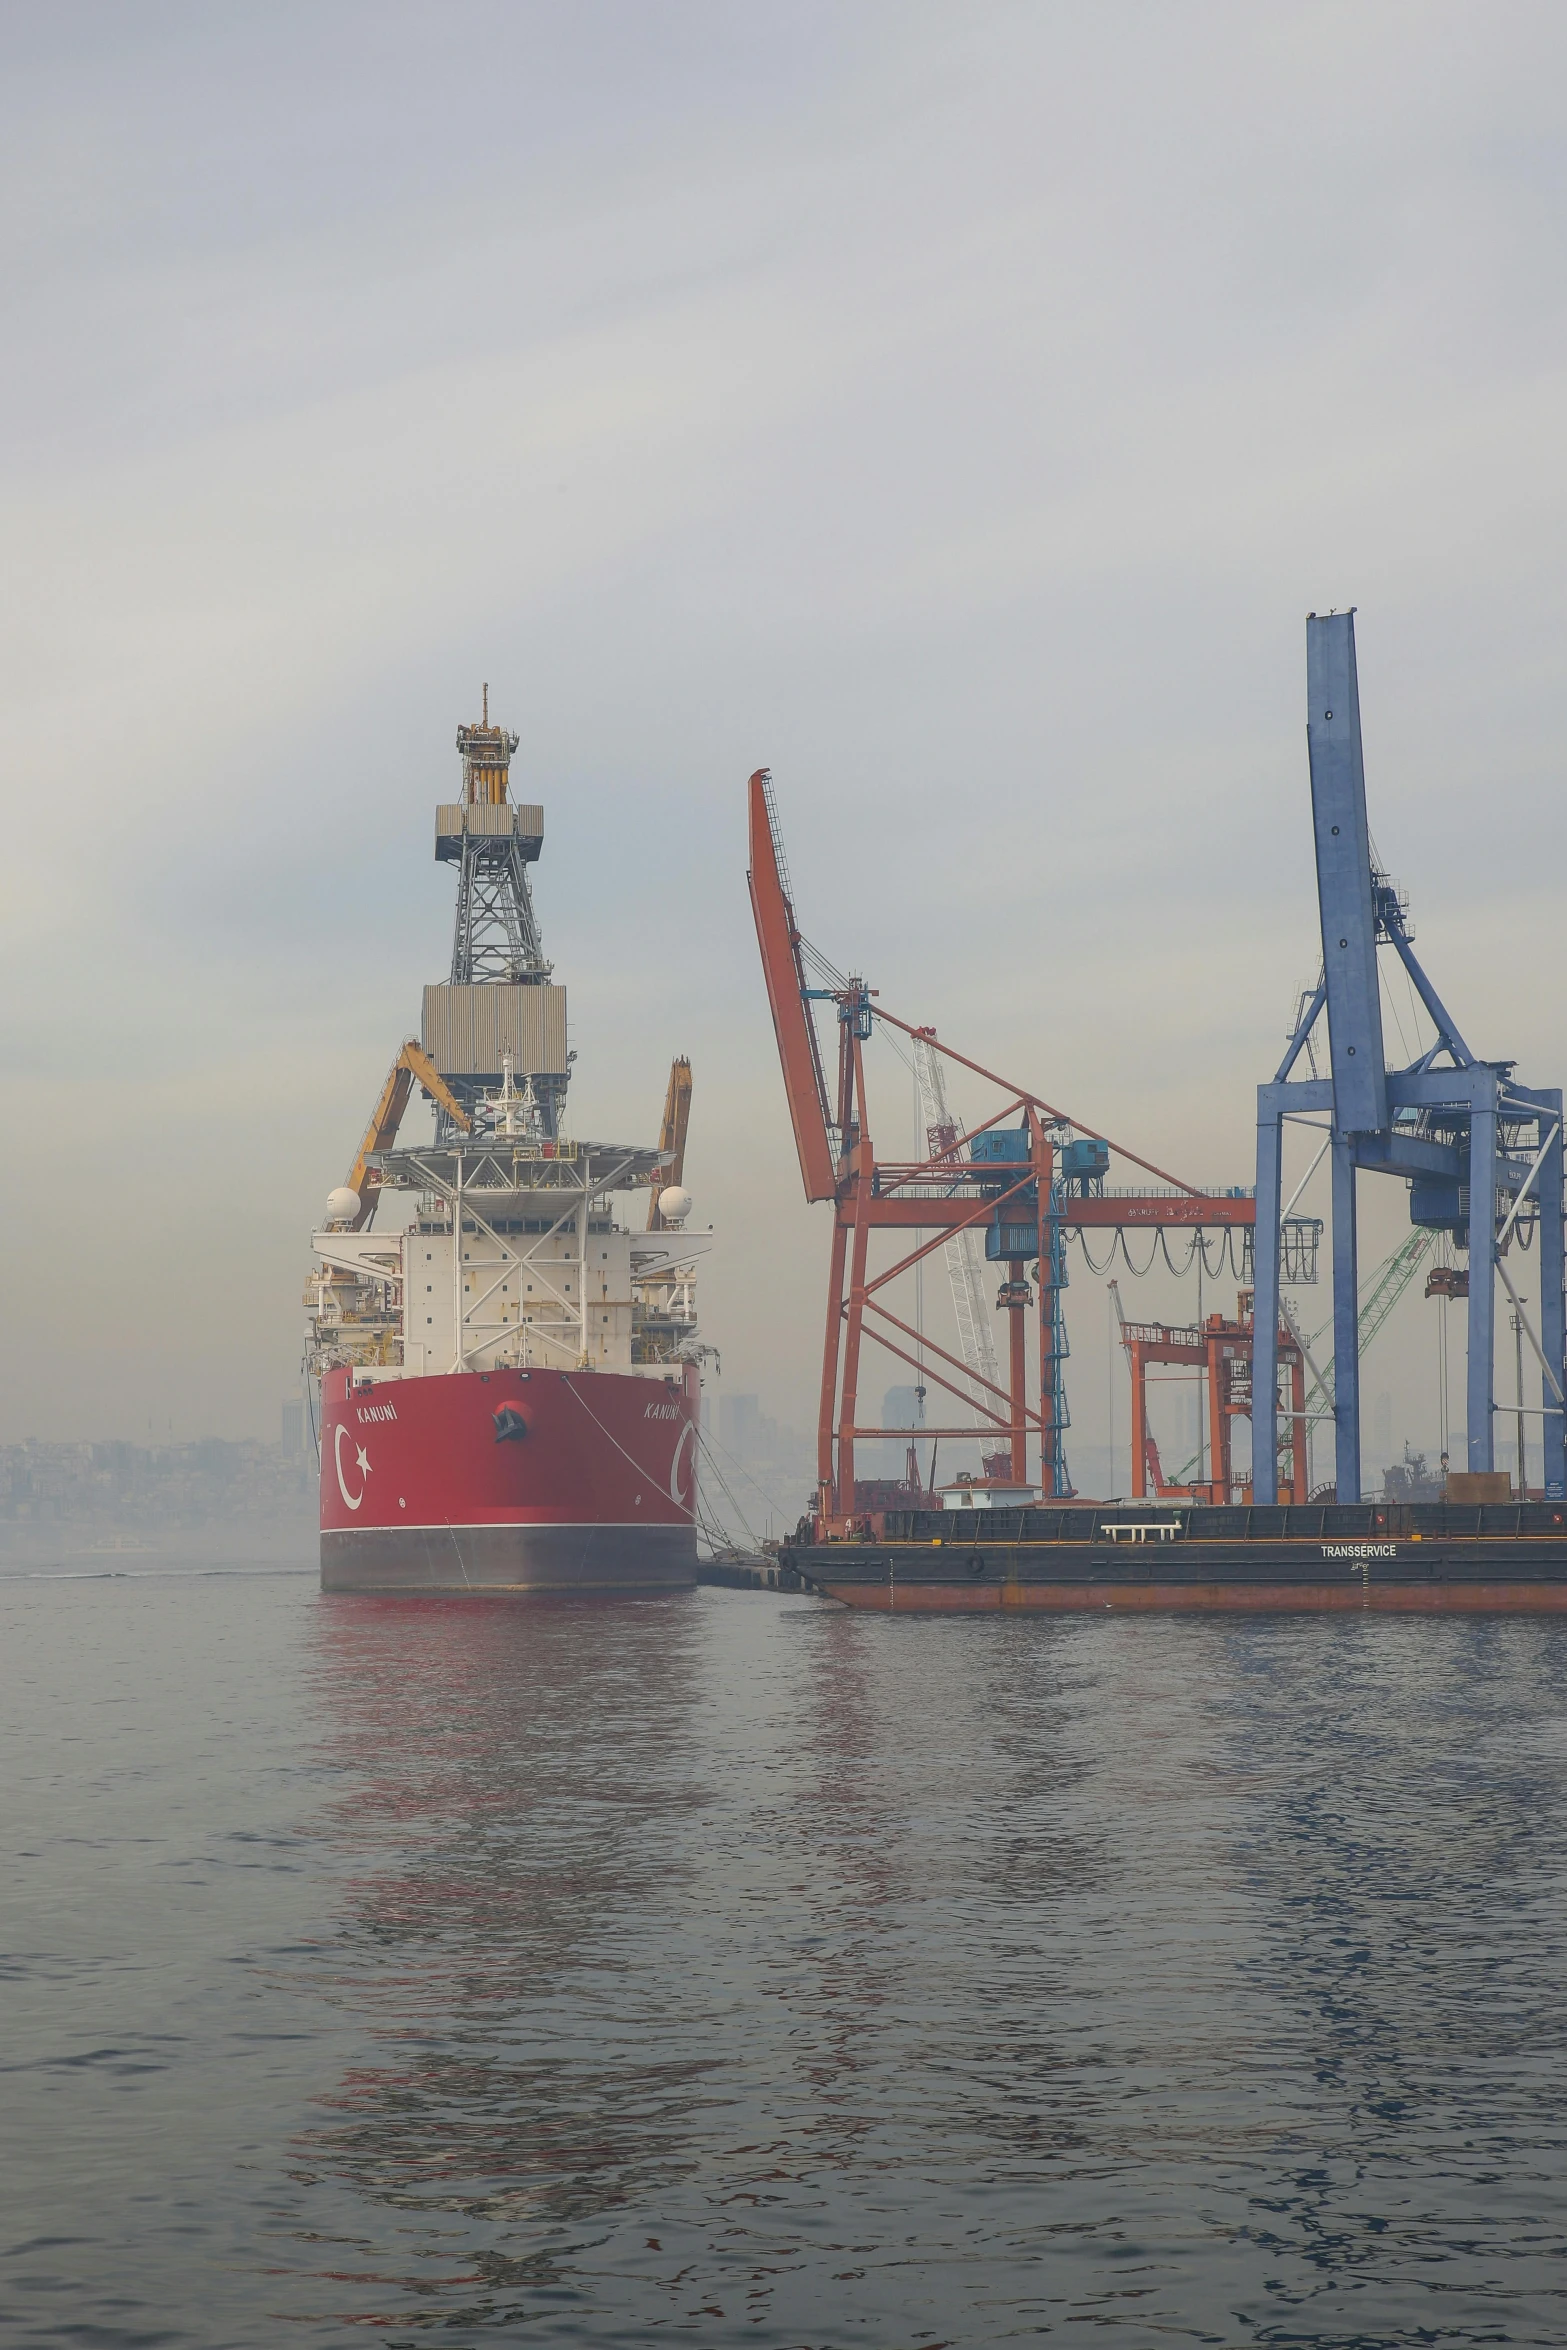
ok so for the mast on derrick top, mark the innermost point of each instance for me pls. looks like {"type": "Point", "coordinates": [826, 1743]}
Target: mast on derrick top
{"type": "Point", "coordinates": [486, 760]}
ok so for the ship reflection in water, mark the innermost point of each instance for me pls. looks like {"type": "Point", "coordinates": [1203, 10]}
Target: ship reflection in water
{"type": "Point", "coordinates": [735, 1968]}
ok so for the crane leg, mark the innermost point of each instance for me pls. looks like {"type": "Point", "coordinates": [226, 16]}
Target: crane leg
{"type": "Point", "coordinates": [1298, 1470]}
{"type": "Point", "coordinates": [1139, 1425]}
{"type": "Point", "coordinates": [1346, 1325]}
{"type": "Point", "coordinates": [1018, 1335]}
{"type": "Point", "coordinates": [1218, 1428]}
{"type": "Point", "coordinates": [827, 1500]}
{"type": "Point", "coordinates": [1265, 1305]}
{"type": "Point", "coordinates": [1553, 1338]}
{"type": "Point", "coordinates": [1482, 1283]}
{"type": "Point", "coordinates": [849, 1403]}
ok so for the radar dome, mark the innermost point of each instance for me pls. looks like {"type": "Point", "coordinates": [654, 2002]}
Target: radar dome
{"type": "Point", "coordinates": [674, 1204]}
{"type": "Point", "coordinates": [342, 1205]}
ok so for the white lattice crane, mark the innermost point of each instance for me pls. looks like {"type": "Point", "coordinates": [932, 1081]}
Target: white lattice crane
{"type": "Point", "coordinates": [965, 1265]}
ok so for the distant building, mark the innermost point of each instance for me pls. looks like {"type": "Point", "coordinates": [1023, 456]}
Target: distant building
{"type": "Point", "coordinates": [293, 1429]}
{"type": "Point", "coordinates": [740, 1426]}
{"type": "Point", "coordinates": [137, 1488]}
{"type": "Point", "coordinates": [770, 1470]}
{"type": "Point", "coordinates": [900, 1408]}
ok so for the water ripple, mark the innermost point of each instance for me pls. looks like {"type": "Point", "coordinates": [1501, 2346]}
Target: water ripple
{"type": "Point", "coordinates": [726, 1968]}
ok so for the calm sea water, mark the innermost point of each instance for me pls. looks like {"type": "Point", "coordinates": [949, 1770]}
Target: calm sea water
{"type": "Point", "coordinates": [733, 1969]}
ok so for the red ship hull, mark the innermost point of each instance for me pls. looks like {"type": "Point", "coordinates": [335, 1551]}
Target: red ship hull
{"type": "Point", "coordinates": [509, 1481]}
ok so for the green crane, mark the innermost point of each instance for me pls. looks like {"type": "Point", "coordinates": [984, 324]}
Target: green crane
{"type": "Point", "coordinates": [1378, 1297]}
{"type": "Point", "coordinates": [1379, 1294]}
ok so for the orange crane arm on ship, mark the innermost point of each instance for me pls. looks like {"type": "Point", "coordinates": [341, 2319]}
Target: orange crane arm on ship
{"type": "Point", "coordinates": [672, 1137]}
{"type": "Point", "coordinates": [412, 1063]}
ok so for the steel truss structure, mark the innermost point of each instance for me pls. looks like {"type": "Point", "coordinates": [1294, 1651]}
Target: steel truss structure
{"type": "Point", "coordinates": [1482, 1153]}
{"type": "Point", "coordinates": [496, 937]}
{"type": "Point", "coordinates": [1023, 1191]}
{"type": "Point", "coordinates": [496, 1192]}
{"type": "Point", "coordinates": [965, 1265]}
{"type": "Point", "coordinates": [1219, 1352]}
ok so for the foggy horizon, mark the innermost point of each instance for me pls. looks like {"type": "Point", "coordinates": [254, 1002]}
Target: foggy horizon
{"type": "Point", "coordinates": [956, 413]}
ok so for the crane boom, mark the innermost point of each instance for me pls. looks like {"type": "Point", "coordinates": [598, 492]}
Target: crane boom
{"type": "Point", "coordinates": [1346, 901]}
{"type": "Point", "coordinates": [784, 971]}
{"type": "Point", "coordinates": [1386, 1286]}
{"type": "Point", "coordinates": [672, 1136]}
{"type": "Point", "coordinates": [412, 1066]}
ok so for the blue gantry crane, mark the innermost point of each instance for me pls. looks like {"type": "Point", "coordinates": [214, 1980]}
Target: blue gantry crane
{"type": "Point", "coordinates": [1482, 1154]}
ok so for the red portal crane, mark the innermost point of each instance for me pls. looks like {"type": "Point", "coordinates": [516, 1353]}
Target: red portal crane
{"type": "Point", "coordinates": [1219, 1352]}
{"type": "Point", "coordinates": [1020, 1183]}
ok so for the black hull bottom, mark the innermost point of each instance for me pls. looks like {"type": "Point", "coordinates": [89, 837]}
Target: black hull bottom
{"type": "Point", "coordinates": [620, 1559]}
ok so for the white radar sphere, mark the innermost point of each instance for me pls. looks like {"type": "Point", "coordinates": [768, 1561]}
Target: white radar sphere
{"type": "Point", "coordinates": [674, 1204]}
{"type": "Point", "coordinates": [342, 1205]}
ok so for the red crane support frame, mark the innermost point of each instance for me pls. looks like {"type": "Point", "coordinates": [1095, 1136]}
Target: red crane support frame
{"type": "Point", "coordinates": [916, 1196]}
{"type": "Point", "coordinates": [1217, 1350]}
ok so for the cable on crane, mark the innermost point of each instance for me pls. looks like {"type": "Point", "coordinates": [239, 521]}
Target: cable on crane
{"type": "Point", "coordinates": [1180, 1271]}
{"type": "Point", "coordinates": [1138, 1272]}
{"type": "Point", "coordinates": [1387, 998]}
{"type": "Point", "coordinates": [1226, 1253]}
{"type": "Point", "coordinates": [1159, 1245]}
{"type": "Point", "coordinates": [1415, 1015]}
{"type": "Point", "coordinates": [821, 966]}
{"type": "Point", "coordinates": [887, 1037]}
{"type": "Point", "coordinates": [1081, 1237]}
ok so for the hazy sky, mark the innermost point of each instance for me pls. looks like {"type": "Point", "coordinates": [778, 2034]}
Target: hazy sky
{"type": "Point", "coordinates": [957, 409]}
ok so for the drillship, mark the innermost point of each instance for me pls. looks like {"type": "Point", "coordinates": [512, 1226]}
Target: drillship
{"type": "Point", "coordinates": [510, 1383]}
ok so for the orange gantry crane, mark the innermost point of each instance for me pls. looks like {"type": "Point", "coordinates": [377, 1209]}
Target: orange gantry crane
{"type": "Point", "coordinates": [1218, 1352]}
{"type": "Point", "coordinates": [1023, 1178]}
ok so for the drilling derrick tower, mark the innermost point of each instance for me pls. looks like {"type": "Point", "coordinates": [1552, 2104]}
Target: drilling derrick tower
{"type": "Point", "coordinates": [499, 1010]}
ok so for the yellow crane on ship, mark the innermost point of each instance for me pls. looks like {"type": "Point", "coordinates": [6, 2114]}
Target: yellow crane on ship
{"type": "Point", "coordinates": [672, 1137]}
{"type": "Point", "coordinates": [413, 1066]}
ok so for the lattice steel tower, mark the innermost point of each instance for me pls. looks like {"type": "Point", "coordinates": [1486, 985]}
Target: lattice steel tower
{"type": "Point", "coordinates": [499, 1000]}
{"type": "Point", "coordinates": [497, 932]}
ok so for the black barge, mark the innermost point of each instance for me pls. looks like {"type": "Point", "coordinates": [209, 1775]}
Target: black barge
{"type": "Point", "coordinates": [1410, 1556]}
